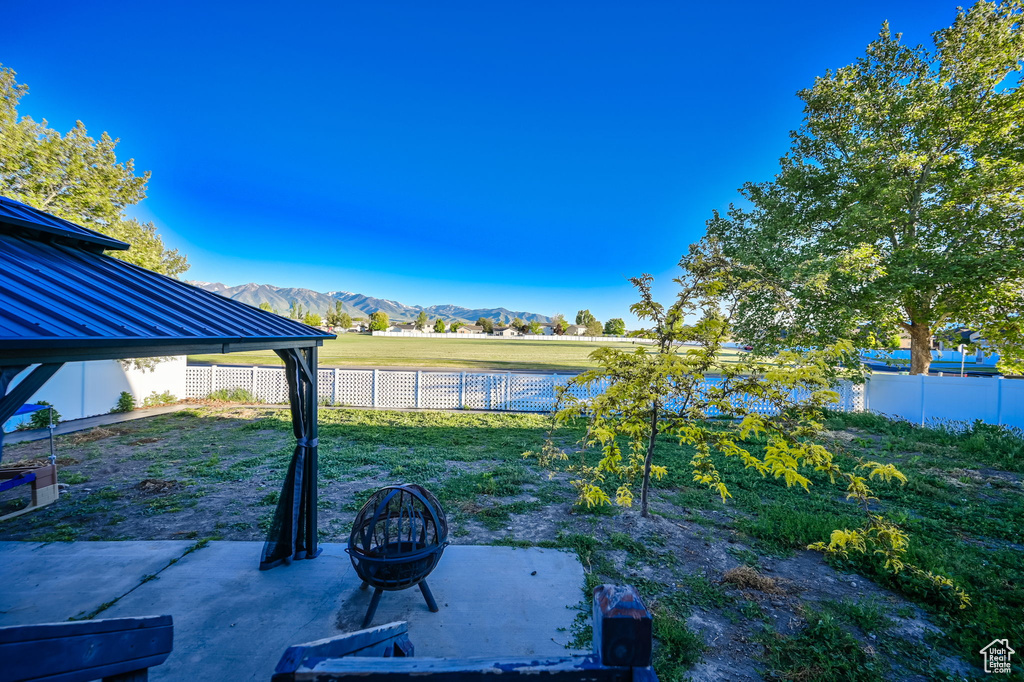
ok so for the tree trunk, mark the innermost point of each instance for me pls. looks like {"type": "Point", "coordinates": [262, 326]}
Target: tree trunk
{"type": "Point", "coordinates": [920, 348]}
{"type": "Point", "coordinates": [644, 502]}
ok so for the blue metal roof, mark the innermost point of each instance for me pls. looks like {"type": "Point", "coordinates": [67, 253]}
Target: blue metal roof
{"type": "Point", "coordinates": [64, 295]}
{"type": "Point", "coordinates": [18, 217]}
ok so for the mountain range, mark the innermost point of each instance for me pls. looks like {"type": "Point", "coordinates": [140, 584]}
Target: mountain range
{"type": "Point", "coordinates": [359, 305]}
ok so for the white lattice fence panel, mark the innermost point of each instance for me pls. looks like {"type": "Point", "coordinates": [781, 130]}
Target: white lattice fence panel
{"type": "Point", "coordinates": [530, 393]}
{"type": "Point", "coordinates": [355, 388]}
{"type": "Point", "coordinates": [396, 389]}
{"type": "Point", "coordinates": [197, 382]}
{"type": "Point", "coordinates": [440, 391]}
{"type": "Point", "coordinates": [232, 377]}
{"type": "Point", "coordinates": [325, 386]}
{"type": "Point", "coordinates": [271, 385]}
{"type": "Point", "coordinates": [475, 391]}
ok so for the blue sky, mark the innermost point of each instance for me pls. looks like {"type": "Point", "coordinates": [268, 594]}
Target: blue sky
{"type": "Point", "coordinates": [531, 155]}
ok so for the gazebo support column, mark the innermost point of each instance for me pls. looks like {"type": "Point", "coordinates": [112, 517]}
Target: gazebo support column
{"type": "Point", "coordinates": [293, 534]}
{"type": "Point", "coordinates": [11, 401]}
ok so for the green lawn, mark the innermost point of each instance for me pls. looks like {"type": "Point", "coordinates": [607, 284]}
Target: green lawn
{"type": "Point", "coordinates": [361, 350]}
{"type": "Point", "coordinates": [788, 614]}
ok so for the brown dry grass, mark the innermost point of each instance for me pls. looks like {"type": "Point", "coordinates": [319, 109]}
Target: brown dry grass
{"type": "Point", "coordinates": [748, 578]}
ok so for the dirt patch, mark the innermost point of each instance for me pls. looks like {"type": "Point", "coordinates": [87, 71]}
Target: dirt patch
{"type": "Point", "coordinates": [98, 433]}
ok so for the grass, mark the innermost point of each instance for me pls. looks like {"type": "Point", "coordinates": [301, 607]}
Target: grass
{"type": "Point", "coordinates": [362, 350]}
{"type": "Point", "coordinates": [958, 506]}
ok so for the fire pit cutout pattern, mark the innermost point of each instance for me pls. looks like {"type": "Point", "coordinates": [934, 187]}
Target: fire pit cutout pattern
{"type": "Point", "coordinates": [397, 539]}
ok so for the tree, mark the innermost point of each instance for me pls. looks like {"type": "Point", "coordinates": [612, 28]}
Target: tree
{"type": "Point", "coordinates": [520, 326]}
{"type": "Point", "coordinates": [344, 321]}
{"type": "Point", "coordinates": [379, 321]}
{"type": "Point", "coordinates": [615, 327]}
{"type": "Point", "coordinates": [671, 391]}
{"type": "Point", "coordinates": [295, 310]}
{"type": "Point", "coordinates": [595, 328]}
{"type": "Point", "coordinates": [78, 178]}
{"type": "Point", "coordinates": [439, 326]}
{"type": "Point", "coordinates": [312, 319]}
{"type": "Point", "coordinates": [454, 326]}
{"type": "Point", "coordinates": [584, 317]}
{"type": "Point", "coordinates": [334, 315]}
{"type": "Point", "coordinates": [535, 328]}
{"type": "Point", "coordinates": [266, 306]}
{"type": "Point", "coordinates": [559, 325]}
{"type": "Point", "coordinates": [422, 321]}
{"type": "Point", "coordinates": [487, 324]}
{"type": "Point", "coordinates": [900, 200]}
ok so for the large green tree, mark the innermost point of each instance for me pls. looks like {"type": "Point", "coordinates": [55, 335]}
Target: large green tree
{"type": "Point", "coordinates": [379, 321]}
{"type": "Point", "coordinates": [900, 205]}
{"type": "Point", "coordinates": [77, 177]}
{"type": "Point", "coordinates": [615, 327]}
{"type": "Point", "coordinates": [487, 324]}
{"type": "Point", "coordinates": [584, 317]}
{"type": "Point", "coordinates": [422, 320]}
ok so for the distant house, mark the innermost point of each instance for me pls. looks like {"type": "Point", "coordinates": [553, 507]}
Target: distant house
{"type": "Point", "coordinates": [405, 328]}
{"type": "Point", "coordinates": [547, 329]}
{"type": "Point", "coordinates": [470, 329]}
{"type": "Point", "coordinates": [505, 331]}
{"type": "Point", "coordinates": [576, 330]}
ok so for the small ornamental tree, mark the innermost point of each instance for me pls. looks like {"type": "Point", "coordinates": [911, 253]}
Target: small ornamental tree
{"type": "Point", "coordinates": [671, 392]}
{"type": "Point", "coordinates": [334, 315]}
{"type": "Point", "coordinates": [379, 321]}
{"type": "Point", "coordinates": [615, 327]}
{"type": "Point", "coordinates": [439, 326]}
{"type": "Point", "coordinates": [422, 321]}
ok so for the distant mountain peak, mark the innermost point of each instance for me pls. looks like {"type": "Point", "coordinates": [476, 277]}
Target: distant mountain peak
{"type": "Point", "coordinates": [359, 305]}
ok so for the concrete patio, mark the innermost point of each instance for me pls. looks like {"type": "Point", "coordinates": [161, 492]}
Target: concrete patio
{"type": "Point", "coordinates": [233, 622]}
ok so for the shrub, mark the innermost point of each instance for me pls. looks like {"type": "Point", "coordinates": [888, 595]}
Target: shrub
{"type": "Point", "coordinates": [41, 419]}
{"type": "Point", "coordinates": [154, 399]}
{"type": "Point", "coordinates": [125, 402]}
{"type": "Point", "coordinates": [233, 395]}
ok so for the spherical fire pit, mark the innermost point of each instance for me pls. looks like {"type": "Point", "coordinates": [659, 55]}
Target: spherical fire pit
{"type": "Point", "coordinates": [396, 541]}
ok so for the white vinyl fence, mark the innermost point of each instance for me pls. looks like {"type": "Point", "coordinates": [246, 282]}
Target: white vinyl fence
{"type": "Point", "coordinates": [929, 399]}
{"type": "Point", "coordinates": [513, 391]}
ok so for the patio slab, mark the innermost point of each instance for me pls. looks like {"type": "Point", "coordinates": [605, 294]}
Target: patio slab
{"type": "Point", "coordinates": [232, 621]}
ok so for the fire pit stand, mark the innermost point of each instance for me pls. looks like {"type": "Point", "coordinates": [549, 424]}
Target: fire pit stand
{"type": "Point", "coordinates": [396, 541]}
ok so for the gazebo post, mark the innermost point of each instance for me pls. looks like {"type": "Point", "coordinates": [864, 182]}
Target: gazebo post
{"type": "Point", "coordinates": [293, 533]}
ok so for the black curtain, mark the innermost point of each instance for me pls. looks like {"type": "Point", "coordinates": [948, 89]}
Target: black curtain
{"type": "Point", "coordinates": [10, 402]}
{"type": "Point", "coordinates": [293, 533]}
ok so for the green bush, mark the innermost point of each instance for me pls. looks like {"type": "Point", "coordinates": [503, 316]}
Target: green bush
{"type": "Point", "coordinates": [154, 399]}
{"type": "Point", "coordinates": [41, 419]}
{"type": "Point", "coordinates": [233, 395]}
{"type": "Point", "coordinates": [125, 402]}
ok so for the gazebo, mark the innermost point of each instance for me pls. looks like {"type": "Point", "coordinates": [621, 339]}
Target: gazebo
{"type": "Point", "coordinates": [62, 299]}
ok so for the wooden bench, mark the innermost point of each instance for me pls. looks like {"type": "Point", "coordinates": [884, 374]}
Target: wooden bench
{"type": "Point", "coordinates": [622, 644]}
{"type": "Point", "coordinates": [113, 649]}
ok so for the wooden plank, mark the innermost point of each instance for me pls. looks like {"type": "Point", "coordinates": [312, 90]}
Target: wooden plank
{"type": "Point", "coordinates": [623, 627]}
{"type": "Point", "coordinates": [350, 643]}
{"type": "Point", "coordinates": [87, 650]}
{"type": "Point", "coordinates": [562, 669]}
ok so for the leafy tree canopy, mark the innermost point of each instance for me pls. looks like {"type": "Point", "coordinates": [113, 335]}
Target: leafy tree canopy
{"type": "Point", "coordinates": [379, 321]}
{"type": "Point", "coordinates": [535, 328]}
{"type": "Point", "coordinates": [439, 326]}
{"type": "Point", "coordinates": [584, 317]}
{"type": "Point", "coordinates": [900, 205]}
{"type": "Point", "coordinates": [559, 324]}
{"type": "Point", "coordinates": [615, 327]}
{"type": "Point", "coordinates": [422, 320]}
{"type": "Point", "coordinates": [595, 328]}
{"type": "Point", "coordinates": [312, 319]}
{"type": "Point", "coordinates": [78, 178]}
{"type": "Point", "coordinates": [454, 327]}
{"type": "Point", "coordinates": [487, 324]}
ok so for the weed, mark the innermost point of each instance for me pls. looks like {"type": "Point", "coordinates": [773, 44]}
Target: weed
{"type": "Point", "coordinates": [822, 651]}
